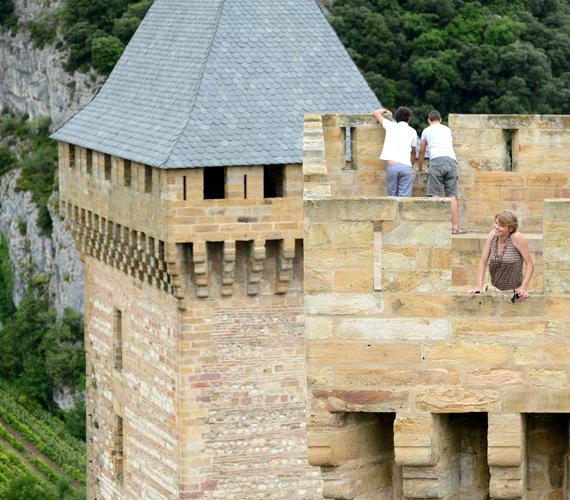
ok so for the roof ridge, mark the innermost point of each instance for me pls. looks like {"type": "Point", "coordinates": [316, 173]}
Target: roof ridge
{"type": "Point", "coordinates": [199, 84]}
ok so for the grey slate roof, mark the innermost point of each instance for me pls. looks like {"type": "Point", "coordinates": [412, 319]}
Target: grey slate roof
{"type": "Point", "coordinates": [220, 82]}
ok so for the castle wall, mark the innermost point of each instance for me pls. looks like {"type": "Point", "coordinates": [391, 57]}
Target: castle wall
{"type": "Point", "coordinates": [143, 392]}
{"type": "Point", "coordinates": [243, 400]}
{"type": "Point", "coordinates": [387, 333]}
{"type": "Point", "coordinates": [466, 379]}
{"type": "Point", "coordinates": [211, 295]}
{"type": "Point", "coordinates": [510, 162]}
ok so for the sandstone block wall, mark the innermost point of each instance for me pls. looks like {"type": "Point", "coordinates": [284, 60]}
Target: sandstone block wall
{"type": "Point", "coordinates": [210, 399]}
{"type": "Point", "coordinates": [510, 162]}
{"type": "Point", "coordinates": [416, 389]}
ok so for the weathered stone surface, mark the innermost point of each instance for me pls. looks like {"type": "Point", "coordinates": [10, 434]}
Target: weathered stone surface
{"type": "Point", "coordinates": [468, 354]}
{"type": "Point", "coordinates": [363, 352]}
{"type": "Point", "coordinates": [375, 329]}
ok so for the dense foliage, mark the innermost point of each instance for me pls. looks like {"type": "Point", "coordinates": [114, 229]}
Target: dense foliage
{"type": "Point", "coordinates": [6, 280]}
{"type": "Point", "coordinates": [488, 56]}
{"type": "Point", "coordinates": [96, 31]}
{"type": "Point", "coordinates": [38, 159]}
{"type": "Point", "coordinates": [40, 353]}
{"type": "Point", "coordinates": [7, 15]}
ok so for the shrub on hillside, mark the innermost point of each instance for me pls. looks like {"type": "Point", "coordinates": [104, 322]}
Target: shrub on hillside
{"type": "Point", "coordinates": [7, 14]}
{"type": "Point", "coordinates": [43, 29]}
{"type": "Point", "coordinates": [7, 159]}
{"type": "Point", "coordinates": [105, 52]}
{"type": "Point", "coordinates": [6, 279]}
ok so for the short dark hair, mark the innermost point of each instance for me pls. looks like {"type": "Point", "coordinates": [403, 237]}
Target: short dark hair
{"type": "Point", "coordinates": [434, 115]}
{"type": "Point", "coordinates": [403, 114]}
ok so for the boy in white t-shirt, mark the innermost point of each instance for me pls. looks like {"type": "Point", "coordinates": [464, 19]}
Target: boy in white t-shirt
{"type": "Point", "coordinates": [399, 151]}
{"type": "Point", "coordinates": [442, 173]}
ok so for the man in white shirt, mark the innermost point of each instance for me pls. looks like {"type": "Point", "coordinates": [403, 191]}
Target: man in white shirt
{"type": "Point", "coordinates": [442, 172]}
{"type": "Point", "coordinates": [399, 151]}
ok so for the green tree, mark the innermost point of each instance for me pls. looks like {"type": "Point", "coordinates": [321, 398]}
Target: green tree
{"type": "Point", "coordinates": [6, 281]}
{"type": "Point", "coordinates": [21, 339]}
{"type": "Point", "coordinates": [7, 159]}
{"type": "Point", "coordinates": [487, 56]}
{"type": "Point", "coordinates": [105, 52]}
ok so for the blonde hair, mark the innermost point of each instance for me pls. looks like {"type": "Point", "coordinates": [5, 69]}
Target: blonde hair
{"type": "Point", "coordinates": [508, 218]}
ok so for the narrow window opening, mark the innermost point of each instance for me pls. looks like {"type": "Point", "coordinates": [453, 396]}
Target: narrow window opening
{"type": "Point", "coordinates": [511, 144]}
{"type": "Point", "coordinates": [107, 167]}
{"type": "Point", "coordinates": [89, 161]}
{"type": "Point", "coordinates": [71, 156]}
{"type": "Point", "coordinates": [117, 339]}
{"type": "Point", "coordinates": [127, 172]}
{"type": "Point", "coordinates": [184, 192]}
{"type": "Point", "coordinates": [377, 257]}
{"type": "Point", "coordinates": [245, 187]}
{"type": "Point", "coordinates": [273, 178]}
{"type": "Point", "coordinates": [348, 144]}
{"type": "Point", "coordinates": [118, 451]}
{"type": "Point", "coordinates": [147, 179]}
{"type": "Point", "coordinates": [214, 183]}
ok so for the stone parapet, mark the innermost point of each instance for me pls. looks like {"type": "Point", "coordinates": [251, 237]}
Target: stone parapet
{"type": "Point", "coordinates": [389, 333]}
{"type": "Point", "coordinates": [509, 162]}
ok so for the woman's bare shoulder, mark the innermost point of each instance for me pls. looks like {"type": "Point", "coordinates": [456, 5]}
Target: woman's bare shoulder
{"type": "Point", "coordinates": [517, 237]}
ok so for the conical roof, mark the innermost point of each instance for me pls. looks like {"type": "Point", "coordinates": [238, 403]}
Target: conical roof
{"type": "Point", "coordinates": [220, 82]}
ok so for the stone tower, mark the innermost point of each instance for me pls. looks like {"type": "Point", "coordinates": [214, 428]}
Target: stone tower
{"type": "Point", "coordinates": [416, 389]}
{"type": "Point", "coordinates": [182, 184]}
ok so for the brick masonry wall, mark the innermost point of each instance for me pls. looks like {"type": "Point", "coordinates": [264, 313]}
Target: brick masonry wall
{"type": "Point", "coordinates": [244, 400]}
{"type": "Point", "coordinates": [212, 391]}
{"type": "Point", "coordinates": [144, 392]}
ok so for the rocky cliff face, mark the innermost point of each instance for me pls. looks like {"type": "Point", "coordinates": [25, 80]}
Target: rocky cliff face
{"type": "Point", "coordinates": [33, 80]}
{"type": "Point", "coordinates": [32, 253]}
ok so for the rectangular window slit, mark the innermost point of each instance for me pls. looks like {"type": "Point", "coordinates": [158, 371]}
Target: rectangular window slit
{"type": "Point", "coordinates": [118, 450]}
{"type": "Point", "coordinates": [127, 172]}
{"type": "Point", "coordinates": [511, 146]}
{"type": "Point", "coordinates": [89, 161]}
{"type": "Point", "coordinates": [245, 187]}
{"type": "Point", "coordinates": [108, 164]}
{"type": "Point", "coordinates": [71, 156]}
{"type": "Point", "coordinates": [147, 179]}
{"type": "Point", "coordinates": [117, 339]}
{"type": "Point", "coordinates": [184, 193]}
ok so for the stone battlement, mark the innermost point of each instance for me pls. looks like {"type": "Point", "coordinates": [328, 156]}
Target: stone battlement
{"type": "Point", "coordinates": [417, 389]}
{"type": "Point", "coordinates": [184, 230]}
{"type": "Point", "coordinates": [509, 162]}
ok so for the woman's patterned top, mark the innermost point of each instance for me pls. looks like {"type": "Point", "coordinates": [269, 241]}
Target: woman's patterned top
{"type": "Point", "coordinates": [506, 269]}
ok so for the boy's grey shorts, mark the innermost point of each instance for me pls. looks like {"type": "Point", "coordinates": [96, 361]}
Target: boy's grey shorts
{"type": "Point", "coordinates": [442, 173]}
